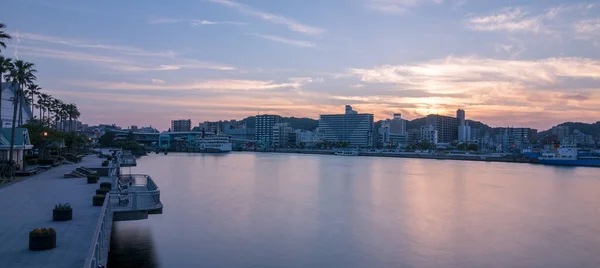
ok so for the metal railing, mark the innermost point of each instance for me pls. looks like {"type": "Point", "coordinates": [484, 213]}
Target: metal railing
{"type": "Point", "coordinates": [142, 193]}
{"type": "Point", "coordinates": [96, 255]}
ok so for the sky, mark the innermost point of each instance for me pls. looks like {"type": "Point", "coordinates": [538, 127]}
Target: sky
{"type": "Point", "coordinates": [526, 63]}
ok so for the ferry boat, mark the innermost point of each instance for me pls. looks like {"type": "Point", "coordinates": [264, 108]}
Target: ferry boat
{"type": "Point", "coordinates": [214, 144]}
{"type": "Point", "coordinates": [567, 155]}
{"type": "Point", "coordinates": [346, 152]}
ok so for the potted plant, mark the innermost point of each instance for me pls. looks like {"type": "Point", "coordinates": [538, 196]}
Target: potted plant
{"type": "Point", "coordinates": [102, 191]}
{"type": "Point", "coordinates": [42, 239]}
{"type": "Point", "coordinates": [105, 185]}
{"type": "Point", "coordinates": [92, 178]}
{"type": "Point", "coordinates": [105, 163]}
{"type": "Point", "coordinates": [62, 212]}
{"type": "Point", "coordinates": [98, 200]}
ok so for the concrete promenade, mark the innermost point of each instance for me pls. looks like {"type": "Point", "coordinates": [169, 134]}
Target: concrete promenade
{"type": "Point", "coordinates": [28, 204]}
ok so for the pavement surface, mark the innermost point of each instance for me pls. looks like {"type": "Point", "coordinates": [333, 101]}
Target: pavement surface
{"type": "Point", "coordinates": [28, 204]}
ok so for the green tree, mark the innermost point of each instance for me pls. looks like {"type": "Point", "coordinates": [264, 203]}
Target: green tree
{"type": "Point", "coordinates": [22, 73]}
{"type": "Point", "coordinates": [107, 139]}
{"type": "Point", "coordinates": [3, 36]}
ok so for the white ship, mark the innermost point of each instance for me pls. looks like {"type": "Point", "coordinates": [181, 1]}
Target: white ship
{"type": "Point", "coordinates": [214, 144]}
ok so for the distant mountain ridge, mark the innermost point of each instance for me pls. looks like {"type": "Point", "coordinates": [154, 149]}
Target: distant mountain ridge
{"type": "Point", "coordinates": [587, 128]}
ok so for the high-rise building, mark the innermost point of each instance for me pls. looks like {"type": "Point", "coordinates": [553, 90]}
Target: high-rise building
{"type": "Point", "coordinates": [264, 128]}
{"type": "Point", "coordinates": [562, 132]}
{"type": "Point", "coordinates": [181, 125]}
{"type": "Point", "coordinates": [446, 127]}
{"type": "Point", "coordinates": [464, 130]}
{"type": "Point", "coordinates": [460, 115]}
{"type": "Point", "coordinates": [397, 125]}
{"type": "Point", "coordinates": [282, 135]}
{"type": "Point", "coordinates": [351, 127]}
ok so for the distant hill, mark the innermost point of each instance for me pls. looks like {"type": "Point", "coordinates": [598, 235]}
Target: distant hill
{"type": "Point", "coordinates": [589, 129]}
{"type": "Point", "coordinates": [295, 122]}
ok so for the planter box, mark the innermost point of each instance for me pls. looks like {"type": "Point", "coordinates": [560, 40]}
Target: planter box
{"type": "Point", "coordinates": [105, 163]}
{"type": "Point", "coordinates": [42, 242]}
{"type": "Point", "coordinates": [106, 185]}
{"type": "Point", "coordinates": [62, 215]}
{"type": "Point", "coordinates": [102, 191]}
{"type": "Point", "coordinates": [98, 200]}
{"type": "Point", "coordinates": [92, 178]}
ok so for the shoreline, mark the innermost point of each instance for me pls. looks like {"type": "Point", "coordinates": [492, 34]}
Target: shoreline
{"type": "Point", "coordinates": [477, 158]}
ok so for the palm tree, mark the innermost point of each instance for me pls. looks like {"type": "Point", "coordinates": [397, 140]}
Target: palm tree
{"type": "Point", "coordinates": [72, 113]}
{"type": "Point", "coordinates": [22, 73]}
{"type": "Point", "coordinates": [5, 66]}
{"type": "Point", "coordinates": [3, 36]}
{"type": "Point", "coordinates": [32, 90]}
{"type": "Point", "coordinates": [42, 104]}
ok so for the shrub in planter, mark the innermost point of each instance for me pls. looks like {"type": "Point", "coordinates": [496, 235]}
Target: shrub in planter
{"type": "Point", "coordinates": [62, 212]}
{"type": "Point", "coordinates": [92, 178]}
{"type": "Point", "coordinates": [98, 200]}
{"type": "Point", "coordinates": [32, 162]}
{"type": "Point", "coordinates": [42, 239]}
{"type": "Point", "coordinates": [102, 191]}
{"type": "Point", "coordinates": [105, 185]}
{"type": "Point", "coordinates": [109, 158]}
{"type": "Point", "coordinates": [105, 163]}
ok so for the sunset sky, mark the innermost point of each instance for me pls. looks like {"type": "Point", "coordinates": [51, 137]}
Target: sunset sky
{"type": "Point", "coordinates": [507, 63]}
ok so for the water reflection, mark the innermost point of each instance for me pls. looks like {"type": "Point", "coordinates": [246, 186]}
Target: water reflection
{"type": "Point", "coordinates": [286, 210]}
{"type": "Point", "coordinates": [131, 246]}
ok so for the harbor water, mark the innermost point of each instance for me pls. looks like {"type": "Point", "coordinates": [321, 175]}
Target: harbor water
{"type": "Point", "coordinates": [291, 210]}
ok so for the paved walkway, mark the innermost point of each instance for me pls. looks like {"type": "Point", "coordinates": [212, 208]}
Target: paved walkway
{"type": "Point", "coordinates": [28, 204]}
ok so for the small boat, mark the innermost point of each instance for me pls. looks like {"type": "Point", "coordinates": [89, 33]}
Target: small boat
{"type": "Point", "coordinates": [346, 152]}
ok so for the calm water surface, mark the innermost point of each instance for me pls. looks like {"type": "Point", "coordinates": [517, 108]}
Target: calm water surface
{"type": "Point", "coordinates": [287, 210]}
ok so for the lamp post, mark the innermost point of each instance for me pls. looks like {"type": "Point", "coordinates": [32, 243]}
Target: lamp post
{"type": "Point", "coordinates": [44, 143]}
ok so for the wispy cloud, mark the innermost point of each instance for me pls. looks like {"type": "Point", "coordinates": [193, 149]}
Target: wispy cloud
{"type": "Point", "coordinates": [194, 22]}
{"type": "Point", "coordinates": [519, 19]}
{"type": "Point", "coordinates": [508, 19]}
{"type": "Point", "coordinates": [129, 59]}
{"type": "Point", "coordinates": [397, 6]}
{"type": "Point", "coordinates": [283, 40]}
{"type": "Point", "coordinates": [128, 50]}
{"type": "Point", "coordinates": [157, 81]}
{"type": "Point", "coordinates": [270, 17]}
{"type": "Point", "coordinates": [227, 85]}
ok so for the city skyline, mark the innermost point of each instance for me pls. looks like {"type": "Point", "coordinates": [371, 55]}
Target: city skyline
{"type": "Point", "coordinates": [516, 63]}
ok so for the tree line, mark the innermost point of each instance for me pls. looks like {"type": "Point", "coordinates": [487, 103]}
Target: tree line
{"type": "Point", "coordinates": [22, 77]}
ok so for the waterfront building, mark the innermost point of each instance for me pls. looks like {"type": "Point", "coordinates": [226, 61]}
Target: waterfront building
{"type": "Point", "coordinates": [393, 131]}
{"type": "Point", "coordinates": [446, 127]}
{"type": "Point", "coordinates": [241, 133]}
{"type": "Point", "coordinates": [430, 134]}
{"type": "Point", "coordinates": [351, 127]}
{"type": "Point", "coordinates": [509, 138]}
{"type": "Point", "coordinates": [282, 135]}
{"type": "Point", "coordinates": [22, 144]}
{"type": "Point", "coordinates": [413, 135]}
{"type": "Point", "coordinates": [68, 125]}
{"type": "Point", "coordinates": [308, 138]}
{"type": "Point", "coordinates": [264, 128]}
{"type": "Point", "coordinates": [181, 125]}
{"type": "Point", "coordinates": [8, 93]}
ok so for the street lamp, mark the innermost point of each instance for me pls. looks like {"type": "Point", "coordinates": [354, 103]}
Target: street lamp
{"type": "Point", "coordinates": [45, 134]}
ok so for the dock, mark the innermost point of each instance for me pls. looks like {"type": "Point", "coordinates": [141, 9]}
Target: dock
{"type": "Point", "coordinates": [83, 241]}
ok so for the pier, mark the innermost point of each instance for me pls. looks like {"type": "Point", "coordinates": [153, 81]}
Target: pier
{"type": "Point", "coordinates": [83, 241]}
